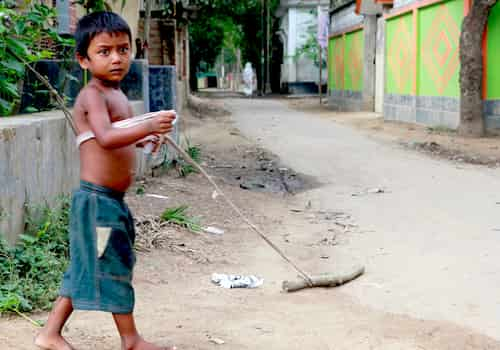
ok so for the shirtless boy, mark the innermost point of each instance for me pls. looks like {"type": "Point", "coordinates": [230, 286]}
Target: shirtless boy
{"type": "Point", "coordinates": [101, 226]}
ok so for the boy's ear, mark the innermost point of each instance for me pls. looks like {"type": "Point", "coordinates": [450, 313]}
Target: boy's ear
{"type": "Point", "coordinates": [83, 61]}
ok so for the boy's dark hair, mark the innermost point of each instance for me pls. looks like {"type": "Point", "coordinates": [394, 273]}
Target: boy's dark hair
{"type": "Point", "coordinates": [95, 23]}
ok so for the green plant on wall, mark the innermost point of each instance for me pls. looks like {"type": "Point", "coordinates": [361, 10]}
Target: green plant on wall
{"type": "Point", "coordinates": [310, 49]}
{"type": "Point", "coordinates": [98, 5]}
{"type": "Point", "coordinates": [21, 34]}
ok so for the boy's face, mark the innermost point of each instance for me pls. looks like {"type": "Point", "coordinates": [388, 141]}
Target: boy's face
{"type": "Point", "coordinates": [108, 56]}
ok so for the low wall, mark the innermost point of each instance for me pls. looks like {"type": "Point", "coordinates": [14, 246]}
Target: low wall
{"type": "Point", "coordinates": [38, 162]}
{"type": "Point", "coordinates": [135, 85]}
{"type": "Point", "coordinates": [163, 96]}
{"type": "Point", "coordinates": [346, 101]}
{"type": "Point", "coordinates": [425, 110]}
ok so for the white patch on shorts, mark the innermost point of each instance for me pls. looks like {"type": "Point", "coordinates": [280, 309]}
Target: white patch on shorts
{"type": "Point", "coordinates": [103, 234]}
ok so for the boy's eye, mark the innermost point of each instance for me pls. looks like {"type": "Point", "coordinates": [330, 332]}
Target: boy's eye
{"type": "Point", "coordinates": [124, 49]}
{"type": "Point", "coordinates": [103, 52]}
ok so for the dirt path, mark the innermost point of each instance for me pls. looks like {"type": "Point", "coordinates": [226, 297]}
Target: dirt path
{"type": "Point", "coordinates": [177, 303]}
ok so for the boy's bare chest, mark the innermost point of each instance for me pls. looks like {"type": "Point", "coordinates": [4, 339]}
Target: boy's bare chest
{"type": "Point", "coordinates": [118, 106]}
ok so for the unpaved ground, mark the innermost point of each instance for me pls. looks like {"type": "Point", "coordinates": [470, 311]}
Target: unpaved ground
{"type": "Point", "coordinates": [176, 302]}
{"type": "Point", "coordinates": [438, 141]}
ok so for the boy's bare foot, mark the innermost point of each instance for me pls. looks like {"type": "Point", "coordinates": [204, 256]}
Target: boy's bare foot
{"type": "Point", "coordinates": [141, 344]}
{"type": "Point", "coordinates": [52, 342]}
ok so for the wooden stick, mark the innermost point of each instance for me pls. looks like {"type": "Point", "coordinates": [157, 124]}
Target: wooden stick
{"type": "Point", "coordinates": [307, 280]}
{"type": "Point", "coordinates": [326, 280]}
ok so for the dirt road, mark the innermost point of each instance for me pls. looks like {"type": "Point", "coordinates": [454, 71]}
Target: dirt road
{"type": "Point", "coordinates": [432, 237]}
{"type": "Point", "coordinates": [428, 244]}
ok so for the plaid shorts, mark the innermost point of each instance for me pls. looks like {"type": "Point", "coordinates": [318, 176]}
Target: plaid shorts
{"type": "Point", "coordinates": [102, 234]}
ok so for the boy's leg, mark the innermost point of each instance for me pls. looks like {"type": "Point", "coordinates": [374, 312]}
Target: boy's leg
{"type": "Point", "coordinates": [50, 337]}
{"type": "Point", "coordinates": [131, 340]}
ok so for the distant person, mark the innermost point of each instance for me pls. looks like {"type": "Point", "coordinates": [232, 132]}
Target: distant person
{"type": "Point", "coordinates": [248, 79]}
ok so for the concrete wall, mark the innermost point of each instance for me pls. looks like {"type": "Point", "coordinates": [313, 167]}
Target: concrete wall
{"type": "Point", "coordinates": [344, 19]}
{"type": "Point", "coordinates": [38, 162]}
{"type": "Point", "coordinates": [380, 66]}
{"type": "Point", "coordinates": [163, 95]}
{"type": "Point", "coordinates": [403, 3]}
{"type": "Point", "coordinates": [369, 52]}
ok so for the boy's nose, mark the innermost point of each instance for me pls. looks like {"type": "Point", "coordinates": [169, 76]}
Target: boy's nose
{"type": "Point", "coordinates": [115, 57]}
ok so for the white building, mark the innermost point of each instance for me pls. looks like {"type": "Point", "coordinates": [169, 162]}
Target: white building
{"type": "Point", "coordinates": [298, 23]}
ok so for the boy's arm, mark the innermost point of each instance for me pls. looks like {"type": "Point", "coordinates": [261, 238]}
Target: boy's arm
{"type": "Point", "coordinates": [100, 123]}
{"type": "Point", "coordinates": [141, 142]}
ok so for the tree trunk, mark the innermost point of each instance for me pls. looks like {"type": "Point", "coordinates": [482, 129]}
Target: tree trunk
{"type": "Point", "coordinates": [471, 69]}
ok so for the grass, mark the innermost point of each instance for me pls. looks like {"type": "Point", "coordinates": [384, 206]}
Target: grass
{"type": "Point", "coordinates": [178, 216]}
{"type": "Point", "coordinates": [195, 153]}
{"type": "Point", "coordinates": [140, 190]}
{"type": "Point", "coordinates": [30, 271]}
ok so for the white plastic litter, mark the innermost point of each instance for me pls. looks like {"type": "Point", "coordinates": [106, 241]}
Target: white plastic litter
{"type": "Point", "coordinates": [159, 196]}
{"type": "Point", "coordinates": [213, 230]}
{"type": "Point", "coordinates": [236, 281]}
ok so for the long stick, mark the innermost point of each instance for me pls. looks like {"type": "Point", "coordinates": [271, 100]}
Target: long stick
{"type": "Point", "coordinates": [326, 280]}
{"type": "Point", "coordinates": [186, 157]}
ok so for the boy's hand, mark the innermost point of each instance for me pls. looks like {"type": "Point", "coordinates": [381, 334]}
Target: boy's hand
{"type": "Point", "coordinates": [162, 123]}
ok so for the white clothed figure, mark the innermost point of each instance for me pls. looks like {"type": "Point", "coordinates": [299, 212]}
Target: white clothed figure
{"type": "Point", "coordinates": [248, 79]}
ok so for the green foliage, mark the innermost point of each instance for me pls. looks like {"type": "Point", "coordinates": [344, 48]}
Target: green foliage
{"type": "Point", "coordinates": [178, 216]}
{"type": "Point", "coordinates": [31, 271]}
{"type": "Point", "coordinates": [21, 32]}
{"type": "Point", "coordinates": [98, 5]}
{"type": "Point", "coordinates": [230, 24]}
{"type": "Point", "coordinates": [195, 153]}
{"type": "Point", "coordinates": [311, 48]}
{"type": "Point", "coordinates": [140, 190]}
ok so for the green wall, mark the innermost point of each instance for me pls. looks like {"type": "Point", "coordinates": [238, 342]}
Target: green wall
{"type": "Point", "coordinates": [345, 61]}
{"type": "Point", "coordinates": [336, 63]}
{"type": "Point", "coordinates": [438, 61]}
{"type": "Point", "coordinates": [399, 55]}
{"type": "Point", "coordinates": [493, 56]}
{"type": "Point", "coordinates": [330, 62]}
{"type": "Point", "coordinates": [353, 58]}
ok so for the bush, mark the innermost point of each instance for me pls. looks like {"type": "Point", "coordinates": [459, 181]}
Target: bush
{"type": "Point", "coordinates": [31, 271]}
{"type": "Point", "coordinates": [21, 33]}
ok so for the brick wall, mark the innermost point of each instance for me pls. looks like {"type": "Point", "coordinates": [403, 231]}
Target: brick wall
{"type": "Point", "coordinates": [161, 42]}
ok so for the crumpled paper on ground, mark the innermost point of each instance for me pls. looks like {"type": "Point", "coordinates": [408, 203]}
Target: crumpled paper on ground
{"type": "Point", "coordinates": [236, 281]}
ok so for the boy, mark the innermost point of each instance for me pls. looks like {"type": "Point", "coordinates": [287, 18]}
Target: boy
{"type": "Point", "coordinates": [101, 227]}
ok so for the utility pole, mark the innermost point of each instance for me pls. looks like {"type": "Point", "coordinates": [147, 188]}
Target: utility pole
{"type": "Point", "coordinates": [320, 58]}
{"type": "Point", "coordinates": [147, 26]}
{"type": "Point", "coordinates": [268, 50]}
{"type": "Point", "coordinates": [262, 55]}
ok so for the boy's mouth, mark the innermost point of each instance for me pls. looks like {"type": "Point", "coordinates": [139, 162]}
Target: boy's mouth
{"type": "Point", "coordinates": [116, 70]}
